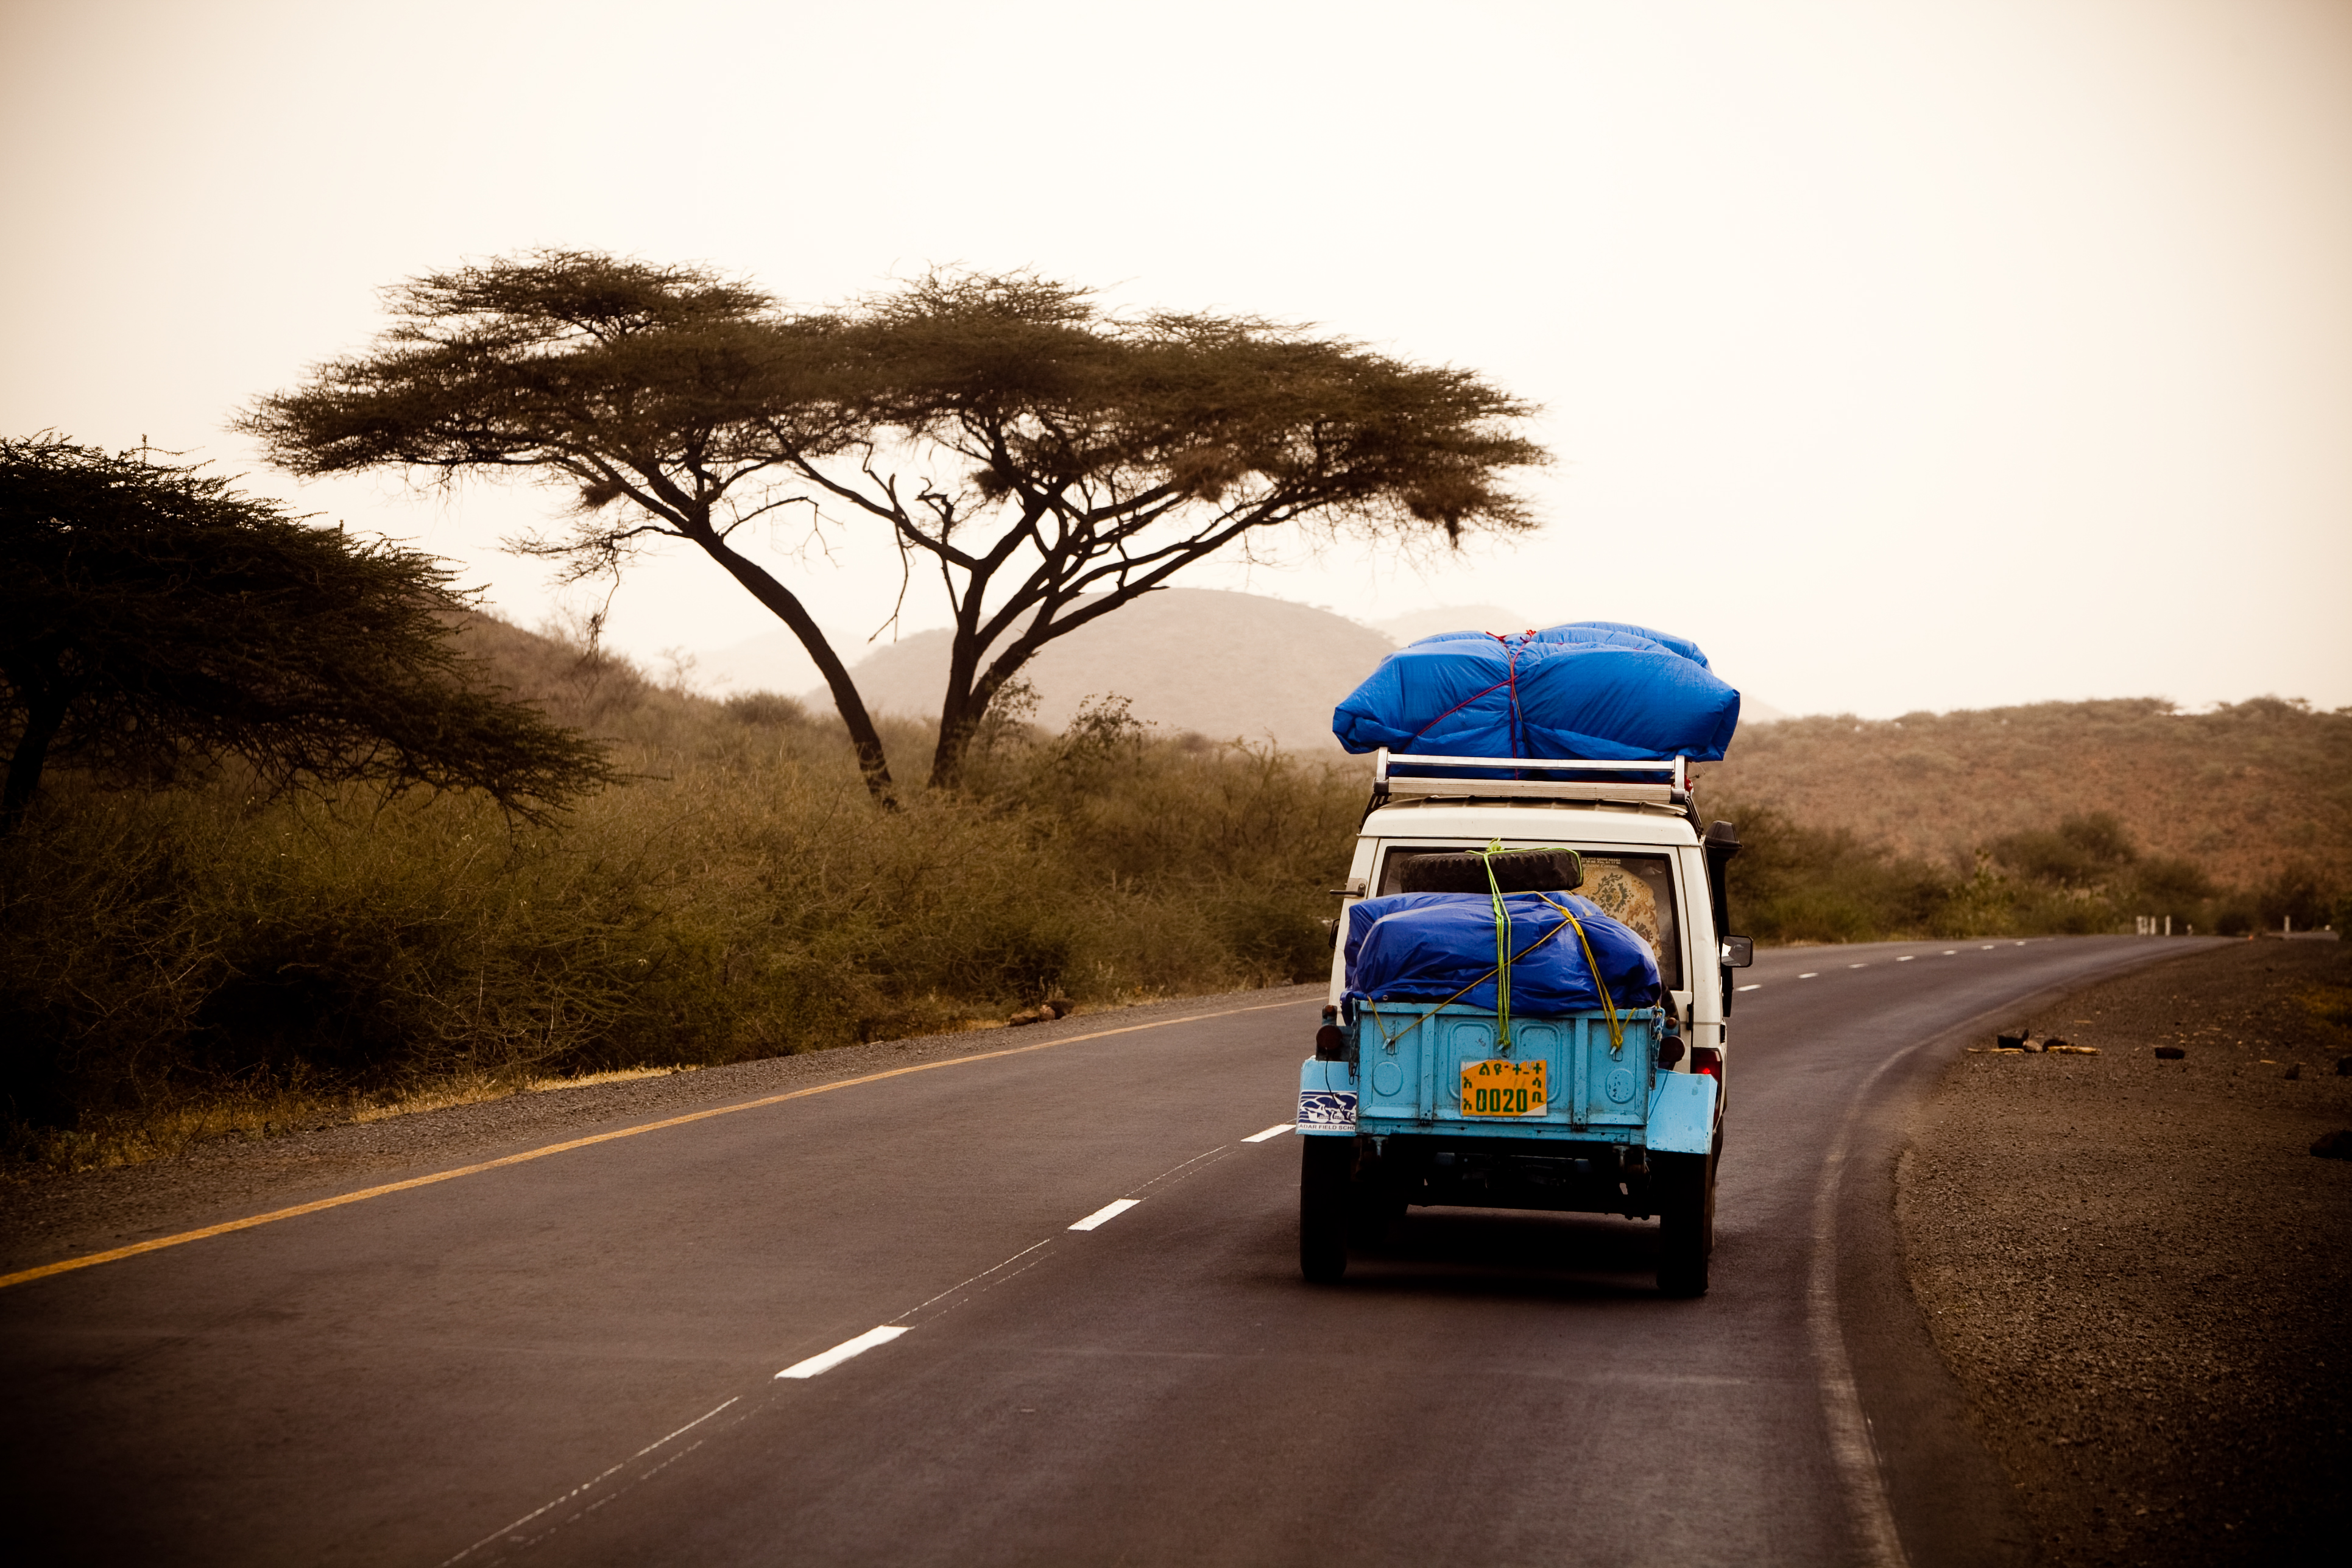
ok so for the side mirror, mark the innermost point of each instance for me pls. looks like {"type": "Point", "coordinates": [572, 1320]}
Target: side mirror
{"type": "Point", "coordinates": [1738, 953]}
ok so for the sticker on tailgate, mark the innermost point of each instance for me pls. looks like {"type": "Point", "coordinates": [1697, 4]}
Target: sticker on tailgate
{"type": "Point", "coordinates": [1327, 1108]}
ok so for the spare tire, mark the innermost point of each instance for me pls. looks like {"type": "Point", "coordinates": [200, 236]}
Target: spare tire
{"type": "Point", "coordinates": [1515, 871]}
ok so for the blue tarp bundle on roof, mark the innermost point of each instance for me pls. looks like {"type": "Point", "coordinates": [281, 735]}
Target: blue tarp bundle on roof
{"type": "Point", "coordinates": [1597, 690]}
{"type": "Point", "coordinates": [1425, 947]}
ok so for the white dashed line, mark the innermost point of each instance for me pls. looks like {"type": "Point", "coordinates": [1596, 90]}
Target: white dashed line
{"type": "Point", "coordinates": [1857, 966]}
{"type": "Point", "coordinates": [827, 1359]}
{"type": "Point", "coordinates": [1951, 952]}
{"type": "Point", "coordinates": [1906, 958]}
{"type": "Point", "coordinates": [1105, 1214]}
{"type": "Point", "coordinates": [1759, 986]}
{"type": "Point", "coordinates": [1270, 1133]}
{"type": "Point", "coordinates": [1987, 947]}
{"type": "Point", "coordinates": [586, 1486]}
{"type": "Point", "coordinates": [1814, 974]}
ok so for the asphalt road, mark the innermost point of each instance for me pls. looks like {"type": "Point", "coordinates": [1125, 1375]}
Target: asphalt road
{"type": "Point", "coordinates": [576, 1359]}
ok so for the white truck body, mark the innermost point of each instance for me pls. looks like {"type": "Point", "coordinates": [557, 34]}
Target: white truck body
{"type": "Point", "coordinates": [1647, 862]}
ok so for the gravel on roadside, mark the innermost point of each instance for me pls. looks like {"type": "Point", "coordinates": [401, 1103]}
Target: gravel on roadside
{"type": "Point", "coordinates": [48, 1216]}
{"type": "Point", "coordinates": [2137, 1268]}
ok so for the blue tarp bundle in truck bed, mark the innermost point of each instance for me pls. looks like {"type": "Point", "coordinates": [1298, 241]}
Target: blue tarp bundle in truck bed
{"type": "Point", "coordinates": [1426, 947]}
{"type": "Point", "coordinates": [1596, 689]}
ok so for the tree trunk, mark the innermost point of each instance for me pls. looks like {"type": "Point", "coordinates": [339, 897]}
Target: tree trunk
{"type": "Point", "coordinates": [961, 709]}
{"type": "Point", "coordinates": [971, 688]}
{"type": "Point", "coordinates": [970, 692]}
{"type": "Point", "coordinates": [45, 716]}
{"type": "Point", "coordinates": [872, 763]}
{"type": "Point", "coordinates": [960, 717]}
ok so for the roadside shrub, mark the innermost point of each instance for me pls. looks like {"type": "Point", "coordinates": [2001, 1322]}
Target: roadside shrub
{"type": "Point", "coordinates": [1792, 882]}
{"type": "Point", "coordinates": [739, 897]}
{"type": "Point", "coordinates": [2080, 852]}
{"type": "Point", "coordinates": [2296, 894]}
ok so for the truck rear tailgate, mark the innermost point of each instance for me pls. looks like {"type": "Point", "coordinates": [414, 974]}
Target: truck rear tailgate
{"type": "Point", "coordinates": [1410, 1062]}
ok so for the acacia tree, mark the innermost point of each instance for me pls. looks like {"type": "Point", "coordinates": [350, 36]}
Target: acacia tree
{"type": "Point", "coordinates": [152, 621]}
{"type": "Point", "coordinates": [1047, 460]}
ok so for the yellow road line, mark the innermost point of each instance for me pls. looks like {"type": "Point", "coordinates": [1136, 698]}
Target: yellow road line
{"type": "Point", "coordinates": [67, 1265]}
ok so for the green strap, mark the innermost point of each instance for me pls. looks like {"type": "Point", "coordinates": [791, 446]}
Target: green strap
{"type": "Point", "coordinates": [1608, 1007]}
{"type": "Point", "coordinates": [1502, 945]}
{"type": "Point", "coordinates": [1503, 953]}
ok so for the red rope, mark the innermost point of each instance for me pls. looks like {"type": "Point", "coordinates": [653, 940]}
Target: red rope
{"type": "Point", "coordinates": [1457, 708]}
{"type": "Point", "coordinates": [1510, 678]}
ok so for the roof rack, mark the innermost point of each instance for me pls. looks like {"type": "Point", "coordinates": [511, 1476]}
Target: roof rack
{"type": "Point", "coordinates": [1662, 782]}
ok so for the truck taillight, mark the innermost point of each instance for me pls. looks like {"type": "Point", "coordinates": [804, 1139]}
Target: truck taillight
{"type": "Point", "coordinates": [1330, 1043]}
{"type": "Point", "coordinates": [1708, 1061]}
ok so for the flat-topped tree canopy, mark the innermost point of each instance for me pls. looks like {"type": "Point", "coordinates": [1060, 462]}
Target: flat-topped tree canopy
{"type": "Point", "coordinates": [1051, 459]}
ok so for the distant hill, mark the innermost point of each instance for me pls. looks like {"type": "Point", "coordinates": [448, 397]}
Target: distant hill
{"type": "Point", "coordinates": [2249, 791]}
{"type": "Point", "coordinates": [1428, 623]}
{"type": "Point", "coordinates": [1224, 664]}
{"type": "Point", "coordinates": [1221, 664]}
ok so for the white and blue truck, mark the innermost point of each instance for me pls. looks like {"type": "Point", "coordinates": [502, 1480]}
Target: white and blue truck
{"type": "Point", "coordinates": [1607, 1110]}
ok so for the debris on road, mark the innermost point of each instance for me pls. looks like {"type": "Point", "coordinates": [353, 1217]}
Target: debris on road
{"type": "Point", "coordinates": [1046, 1012]}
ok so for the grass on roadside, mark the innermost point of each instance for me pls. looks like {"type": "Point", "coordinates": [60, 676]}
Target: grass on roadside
{"type": "Point", "coordinates": [213, 963]}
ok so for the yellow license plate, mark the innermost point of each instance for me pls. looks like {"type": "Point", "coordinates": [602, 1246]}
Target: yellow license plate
{"type": "Point", "coordinates": [1503, 1089]}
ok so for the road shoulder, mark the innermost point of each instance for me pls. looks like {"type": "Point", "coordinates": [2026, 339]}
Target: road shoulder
{"type": "Point", "coordinates": [2134, 1268]}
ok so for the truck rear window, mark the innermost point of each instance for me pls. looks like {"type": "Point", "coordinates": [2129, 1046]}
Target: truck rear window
{"type": "Point", "coordinates": [1636, 890]}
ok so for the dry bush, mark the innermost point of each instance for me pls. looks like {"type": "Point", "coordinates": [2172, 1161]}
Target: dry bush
{"type": "Point", "coordinates": [211, 962]}
{"type": "Point", "coordinates": [192, 964]}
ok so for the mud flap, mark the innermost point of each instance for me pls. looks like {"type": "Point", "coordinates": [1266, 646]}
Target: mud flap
{"type": "Point", "coordinates": [1682, 1115]}
{"type": "Point", "coordinates": [1327, 1098]}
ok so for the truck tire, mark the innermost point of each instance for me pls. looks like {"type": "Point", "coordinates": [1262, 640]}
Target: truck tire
{"type": "Point", "coordinates": [1679, 1190]}
{"type": "Point", "coordinates": [1714, 1163]}
{"type": "Point", "coordinates": [1326, 1166]}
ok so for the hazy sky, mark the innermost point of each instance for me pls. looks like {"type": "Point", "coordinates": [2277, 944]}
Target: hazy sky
{"type": "Point", "coordinates": [1905, 354]}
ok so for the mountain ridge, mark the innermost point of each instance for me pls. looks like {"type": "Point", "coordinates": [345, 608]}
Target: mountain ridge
{"type": "Point", "coordinates": [1212, 661]}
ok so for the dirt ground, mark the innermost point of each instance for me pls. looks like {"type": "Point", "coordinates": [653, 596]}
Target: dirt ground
{"type": "Point", "coordinates": [2138, 1271]}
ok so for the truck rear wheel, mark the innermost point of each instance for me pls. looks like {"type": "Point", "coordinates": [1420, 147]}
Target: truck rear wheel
{"type": "Point", "coordinates": [1679, 1185]}
{"type": "Point", "coordinates": [1714, 1163]}
{"type": "Point", "coordinates": [1326, 1166]}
